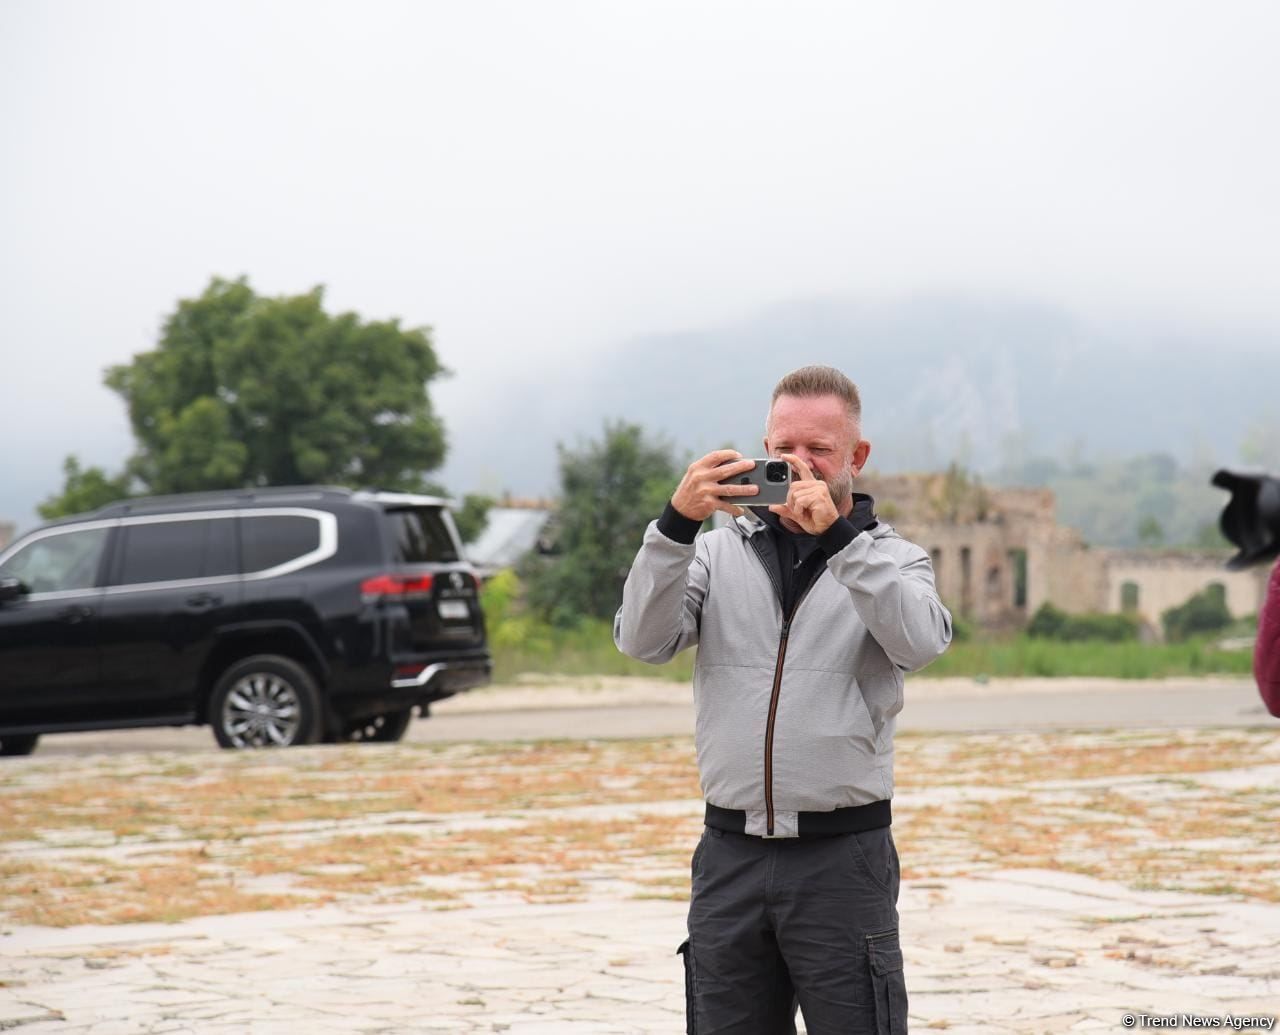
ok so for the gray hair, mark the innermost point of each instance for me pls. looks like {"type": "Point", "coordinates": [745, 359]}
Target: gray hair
{"type": "Point", "coordinates": [813, 381]}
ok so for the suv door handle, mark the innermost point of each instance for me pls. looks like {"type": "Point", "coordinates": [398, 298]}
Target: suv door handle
{"type": "Point", "coordinates": [203, 601]}
{"type": "Point", "coordinates": [75, 614]}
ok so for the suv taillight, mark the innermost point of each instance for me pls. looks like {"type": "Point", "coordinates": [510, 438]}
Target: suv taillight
{"type": "Point", "coordinates": [394, 586]}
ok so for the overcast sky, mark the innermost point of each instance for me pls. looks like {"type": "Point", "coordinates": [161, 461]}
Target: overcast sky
{"type": "Point", "coordinates": [541, 182]}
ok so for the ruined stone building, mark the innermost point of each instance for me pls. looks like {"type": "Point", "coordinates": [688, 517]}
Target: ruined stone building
{"type": "Point", "coordinates": [999, 553]}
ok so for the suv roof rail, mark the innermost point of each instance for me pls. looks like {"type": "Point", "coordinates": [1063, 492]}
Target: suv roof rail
{"type": "Point", "coordinates": [274, 492]}
{"type": "Point", "coordinates": [277, 493]}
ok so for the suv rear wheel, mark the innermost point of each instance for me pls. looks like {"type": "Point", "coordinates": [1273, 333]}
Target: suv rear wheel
{"type": "Point", "coordinates": [265, 701]}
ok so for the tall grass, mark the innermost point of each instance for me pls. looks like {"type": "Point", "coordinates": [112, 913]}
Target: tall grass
{"type": "Point", "coordinates": [522, 644]}
{"type": "Point", "coordinates": [1024, 656]}
{"type": "Point", "coordinates": [588, 650]}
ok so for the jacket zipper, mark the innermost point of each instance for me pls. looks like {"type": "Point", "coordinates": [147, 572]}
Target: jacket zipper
{"type": "Point", "coordinates": [777, 686]}
{"type": "Point", "coordinates": [768, 730]}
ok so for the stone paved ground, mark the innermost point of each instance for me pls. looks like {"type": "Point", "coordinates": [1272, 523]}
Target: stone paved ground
{"type": "Point", "coordinates": [1052, 882]}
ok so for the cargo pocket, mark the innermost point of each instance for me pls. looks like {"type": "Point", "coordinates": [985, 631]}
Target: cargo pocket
{"type": "Point", "coordinates": [689, 1025]}
{"type": "Point", "coordinates": [872, 852]}
{"type": "Point", "coordinates": [888, 984]}
{"type": "Point", "coordinates": [697, 855]}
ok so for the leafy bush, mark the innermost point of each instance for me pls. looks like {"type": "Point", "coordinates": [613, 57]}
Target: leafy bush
{"type": "Point", "coordinates": [472, 515]}
{"type": "Point", "coordinates": [1204, 612]}
{"type": "Point", "coordinates": [610, 490]}
{"type": "Point", "coordinates": [1051, 623]}
{"type": "Point", "coordinates": [523, 641]}
{"type": "Point", "coordinates": [1047, 623]}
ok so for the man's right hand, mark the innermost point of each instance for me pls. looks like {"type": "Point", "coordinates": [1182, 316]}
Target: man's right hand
{"type": "Point", "coordinates": [699, 494]}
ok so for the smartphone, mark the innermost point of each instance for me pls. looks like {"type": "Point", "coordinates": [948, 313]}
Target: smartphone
{"type": "Point", "coordinates": [773, 477]}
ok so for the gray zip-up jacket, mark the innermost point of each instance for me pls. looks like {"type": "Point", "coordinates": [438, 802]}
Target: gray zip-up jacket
{"type": "Point", "coordinates": [793, 713]}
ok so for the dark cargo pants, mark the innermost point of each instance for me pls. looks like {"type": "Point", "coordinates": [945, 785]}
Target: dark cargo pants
{"type": "Point", "coordinates": [776, 923]}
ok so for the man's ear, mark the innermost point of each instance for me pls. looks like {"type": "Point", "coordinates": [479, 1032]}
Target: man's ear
{"type": "Point", "coordinates": [767, 450]}
{"type": "Point", "coordinates": [861, 453]}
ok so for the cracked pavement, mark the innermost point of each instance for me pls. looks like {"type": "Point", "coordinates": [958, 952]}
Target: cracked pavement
{"type": "Point", "coordinates": [1052, 882]}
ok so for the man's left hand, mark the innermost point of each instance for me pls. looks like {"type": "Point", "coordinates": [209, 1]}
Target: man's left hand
{"type": "Point", "coordinates": [809, 502]}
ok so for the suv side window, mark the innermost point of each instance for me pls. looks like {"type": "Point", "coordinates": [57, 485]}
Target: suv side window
{"type": "Point", "coordinates": [269, 540]}
{"type": "Point", "coordinates": [168, 551]}
{"type": "Point", "coordinates": [419, 535]}
{"type": "Point", "coordinates": [59, 562]}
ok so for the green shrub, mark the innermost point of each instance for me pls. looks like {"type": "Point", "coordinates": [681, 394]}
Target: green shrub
{"type": "Point", "coordinates": [523, 642]}
{"type": "Point", "coordinates": [1047, 623]}
{"type": "Point", "coordinates": [1204, 612]}
{"type": "Point", "coordinates": [498, 595]}
{"type": "Point", "coordinates": [1051, 623]}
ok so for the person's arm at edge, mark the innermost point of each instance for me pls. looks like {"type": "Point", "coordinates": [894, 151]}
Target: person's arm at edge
{"type": "Point", "coordinates": [1266, 651]}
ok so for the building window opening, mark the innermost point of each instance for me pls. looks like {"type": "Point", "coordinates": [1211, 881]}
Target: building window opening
{"type": "Point", "coordinates": [1018, 562]}
{"type": "Point", "coordinates": [1129, 597]}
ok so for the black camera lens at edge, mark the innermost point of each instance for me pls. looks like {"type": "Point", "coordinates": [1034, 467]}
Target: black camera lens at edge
{"type": "Point", "coordinates": [1251, 518]}
{"type": "Point", "coordinates": [775, 471]}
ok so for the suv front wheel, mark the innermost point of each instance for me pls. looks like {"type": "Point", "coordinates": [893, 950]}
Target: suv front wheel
{"type": "Point", "coordinates": [265, 701]}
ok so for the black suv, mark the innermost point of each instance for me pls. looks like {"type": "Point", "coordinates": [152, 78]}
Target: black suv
{"type": "Point", "coordinates": [277, 616]}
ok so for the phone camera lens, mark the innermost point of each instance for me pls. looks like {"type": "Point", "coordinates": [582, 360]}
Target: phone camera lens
{"type": "Point", "coordinates": [776, 471]}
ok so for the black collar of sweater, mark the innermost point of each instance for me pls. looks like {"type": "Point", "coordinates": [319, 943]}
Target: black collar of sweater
{"type": "Point", "coordinates": [797, 558]}
{"type": "Point", "coordinates": [862, 516]}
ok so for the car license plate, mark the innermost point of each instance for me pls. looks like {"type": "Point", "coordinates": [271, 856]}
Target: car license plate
{"type": "Point", "coordinates": [453, 609]}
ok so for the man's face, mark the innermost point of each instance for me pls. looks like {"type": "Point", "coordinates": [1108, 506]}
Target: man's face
{"type": "Point", "coordinates": [818, 430]}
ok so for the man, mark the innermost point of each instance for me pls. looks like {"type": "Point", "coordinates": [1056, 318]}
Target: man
{"type": "Point", "coordinates": [806, 615]}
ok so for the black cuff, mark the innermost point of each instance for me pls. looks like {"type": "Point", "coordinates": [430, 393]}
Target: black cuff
{"type": "Point", "coordinates": [838, 536]}
{"type": "Point", "coordinates": [675, 525]}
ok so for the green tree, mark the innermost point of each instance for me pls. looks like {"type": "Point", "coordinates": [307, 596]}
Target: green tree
{"type": "Point", "coordinates": [1150, 531]}
{"type": "Point", "coordinates": [472, 516]}
{"type": "Point", "coordinates": [610, 490]}
{"type": "Point", "coordinates": [244, 390]}
{"type": "Point", "coordinates": [960, 497]}
{"type": "Point", "coordinates": [84, 489]}
{"type": "Point", "coordinates": [1209, 537]}
{"type": "Point", "coordinates": [1203, 612]}
{"type": "Point", "coordinates": [1051, 623]}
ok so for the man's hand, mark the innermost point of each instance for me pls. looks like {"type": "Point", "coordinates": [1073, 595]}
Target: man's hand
{"type": "Point", "coordinates": [809, 502]}
{"type": "Point", "coordinates": [698, 495]}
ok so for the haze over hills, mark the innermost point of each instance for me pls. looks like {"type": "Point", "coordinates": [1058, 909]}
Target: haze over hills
{"type": "Point", "coordinates": [1020, 393]}
{"type": "Point", "coordinates": [987, 385]}
{"type": "Point", "coordinates": [993, 386]}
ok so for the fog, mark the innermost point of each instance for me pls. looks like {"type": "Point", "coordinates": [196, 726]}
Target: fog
{"type": "Point", "coordinates": [544, 183]}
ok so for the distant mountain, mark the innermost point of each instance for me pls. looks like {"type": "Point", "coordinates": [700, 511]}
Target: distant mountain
{"type": "Point", "coordinates": [990, 385]}
{"type": "Point", "coordinates": [1020, 393]}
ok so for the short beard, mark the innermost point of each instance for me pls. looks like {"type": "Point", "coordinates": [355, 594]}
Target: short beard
{"type": "Point", "coordinates": [841, 488]}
